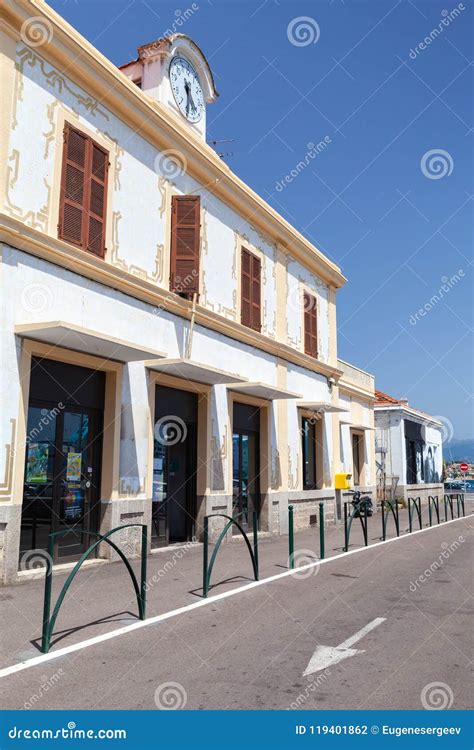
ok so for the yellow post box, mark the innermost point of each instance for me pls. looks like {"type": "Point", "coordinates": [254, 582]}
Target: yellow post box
{"type": "Point", "coordinates": [343, 481]}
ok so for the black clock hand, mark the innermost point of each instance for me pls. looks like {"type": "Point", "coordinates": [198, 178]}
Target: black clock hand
{"type": "Point", "coordinates": [190, 100]}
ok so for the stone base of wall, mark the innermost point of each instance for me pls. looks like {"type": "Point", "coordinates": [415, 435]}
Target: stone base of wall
{"type": "Point", "coordinates": [422, 491]}
{"type": "Point", "coordinates": [10, 524]}
{"type": "Point", "coordinates": [306, 508]}
{"type": "Point", "coordinates": [121, 512]}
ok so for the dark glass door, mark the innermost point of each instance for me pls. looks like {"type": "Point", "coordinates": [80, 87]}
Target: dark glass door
{"type": "Point", "coordinates": [245, 476]}
{"type": "Point", "coordinates": [62, 479]}
{"type": "Point", "coordinates": [174, 488]}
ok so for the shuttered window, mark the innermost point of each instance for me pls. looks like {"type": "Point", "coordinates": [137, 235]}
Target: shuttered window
{"type": "Point", "coordinates": [310, 325]}
{"type": "Point", "coordinates": [251, 273]}
{"type": "Point", "coordinates": [83, 192]}
{"type": "Point", "coordinates": [185, 241]}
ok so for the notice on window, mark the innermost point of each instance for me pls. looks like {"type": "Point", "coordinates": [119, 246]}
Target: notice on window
{"type": "Point", "coordinates": [37, 463]}
{"type": "Point", "coordinates": [73, 467]}
{"type": "Point", "coordinates": [73, 504]}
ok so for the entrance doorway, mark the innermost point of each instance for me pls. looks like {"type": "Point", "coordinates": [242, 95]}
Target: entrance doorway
{"type": "Point", "coordinates": [174, 466]}
{"type": "Point", "coordinates": [63, 459]}
{"type": "Point", "coordinates": [245, 463]}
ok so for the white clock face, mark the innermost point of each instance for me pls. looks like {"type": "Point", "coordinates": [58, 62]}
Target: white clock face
{"type": "Point", "coordinates": [186, 89]}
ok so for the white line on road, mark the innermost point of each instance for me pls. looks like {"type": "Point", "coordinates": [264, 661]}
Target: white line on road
{"type": "Point", "coordinates": [33, 662]}
{"type": "Point", "coordinates": [328, 656]}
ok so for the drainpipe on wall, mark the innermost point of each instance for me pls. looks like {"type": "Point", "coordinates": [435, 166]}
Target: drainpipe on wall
{"type": "Point", "coordinates": [189, 342]}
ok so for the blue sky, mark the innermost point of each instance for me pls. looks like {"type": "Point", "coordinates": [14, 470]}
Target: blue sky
{"type": "Point", "coordinates": [397, 219]}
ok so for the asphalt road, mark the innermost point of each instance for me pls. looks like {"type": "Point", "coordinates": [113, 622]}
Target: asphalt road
{"type": "Point", "coordinates": [251, 649]}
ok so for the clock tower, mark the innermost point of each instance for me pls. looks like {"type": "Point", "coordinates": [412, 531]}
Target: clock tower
{"type": "Point", "coordinates": [175, 72]}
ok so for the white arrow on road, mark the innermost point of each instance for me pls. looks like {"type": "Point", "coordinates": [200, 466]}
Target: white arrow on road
{"type": "Point", "coordinates": [329, 656]}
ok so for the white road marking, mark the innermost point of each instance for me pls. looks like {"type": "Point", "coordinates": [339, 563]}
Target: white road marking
{"type": "Point", "coordinates": [328, 656]}
{"type": "Point", "coordinates": [34, 661]}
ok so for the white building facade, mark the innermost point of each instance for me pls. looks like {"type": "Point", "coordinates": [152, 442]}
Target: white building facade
{"type": "Point", "coordinates": [169, 342]}
{"type": "Point", "coordinates": [409, 448]}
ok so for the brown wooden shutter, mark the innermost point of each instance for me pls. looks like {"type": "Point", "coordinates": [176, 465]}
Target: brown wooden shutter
{"type": "Point", "coordinates": [83, 192]}
{"type": "Point", "coordinates": [73, 179]}
{"type": "Point", "coordinates": [256, 292]}
{"type": "Point", "coordinates": [97, 184]}
{"type": "Point", "coordinates": [185, 241]}
{"type": "Point", "coordinates": [310, 325]}
{"type": "Point", "coordinates": [251, 273]}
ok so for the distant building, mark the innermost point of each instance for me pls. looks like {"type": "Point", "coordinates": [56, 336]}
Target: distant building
{"type": "Point", "coordinates": [409, 448]}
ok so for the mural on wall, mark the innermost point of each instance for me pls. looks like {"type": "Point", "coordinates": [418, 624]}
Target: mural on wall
{"type": "Point", "coordinates": [431, 474]}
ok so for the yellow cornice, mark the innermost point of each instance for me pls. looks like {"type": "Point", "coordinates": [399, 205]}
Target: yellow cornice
{"type": "Point", "coordinates": [96, 74]}
{"type": "Point", "coordinates": [353, 390]}
{"type": "Point", "coordinates": [26, 239]}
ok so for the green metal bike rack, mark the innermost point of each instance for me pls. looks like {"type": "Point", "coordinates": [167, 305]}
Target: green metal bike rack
{"type": "Point", "coordinates": [460, 504]}
{"type": "Point", "coordinates": [385, 515]}
{"type": "Point", "coordinates": [448, 500]}
{"type": "Point", "coordinates": [207, 568]}
{"type": "Point", "coordinates": [291, 539]}
{"type": "Point", "coordinates": [348, 524]}
{"type": "Point", "coordinates": [140, 591]}
{"type": "Point", "coordinates": [433, 502]}
{"type": "Point", "coordinates": [321, 531]}
{"type": "Point", "coordinates": [416, 502]}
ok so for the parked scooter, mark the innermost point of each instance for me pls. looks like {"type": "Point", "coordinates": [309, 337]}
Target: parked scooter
{"type": "Point", "coordinates": [361, 503]}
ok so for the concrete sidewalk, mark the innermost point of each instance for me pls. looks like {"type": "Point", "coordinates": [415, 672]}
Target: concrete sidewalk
{"type": "Point", "coordinates": [102, 599]}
